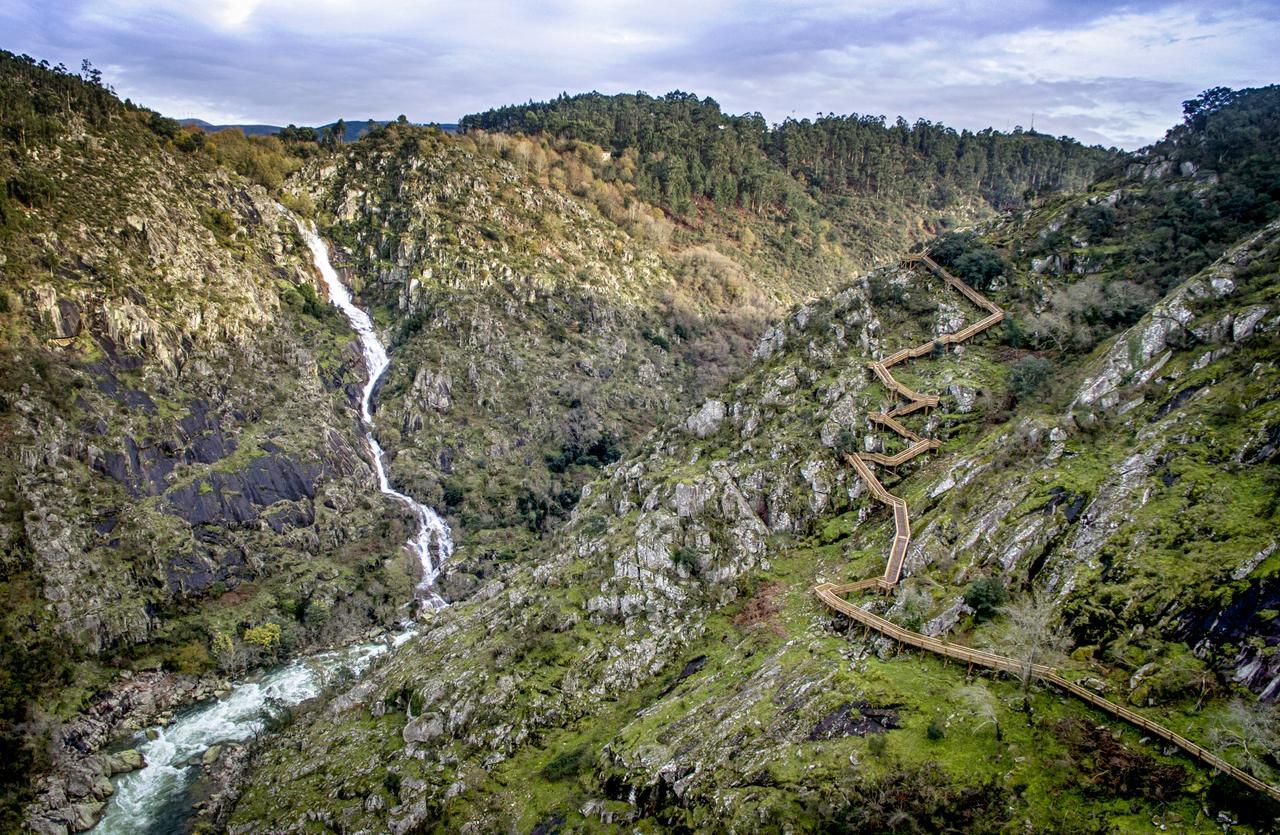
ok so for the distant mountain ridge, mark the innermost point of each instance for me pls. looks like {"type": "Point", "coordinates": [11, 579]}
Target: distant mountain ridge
{"type": "Point", "coordinates": [354, 128]}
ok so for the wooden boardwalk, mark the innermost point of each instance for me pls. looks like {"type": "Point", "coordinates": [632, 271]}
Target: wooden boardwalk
{"type": "Point", "coordinates": [834, 595]}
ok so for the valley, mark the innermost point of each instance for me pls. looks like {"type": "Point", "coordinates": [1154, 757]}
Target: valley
{"type": "Point", "coordinates": [484, 481]}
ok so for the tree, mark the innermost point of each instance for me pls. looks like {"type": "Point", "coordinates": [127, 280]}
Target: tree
{"type": "Point", "coordinates": [1028, 376]}
{"type": "Point", "coordinates": [1210, 101]}
{"type": "Point", "coordinates": [982, 706]}
{"type": "Point", "coordinates": [979, 269]}
{"type": "Point", "coordinates": [335, 134]}
{"type": "Point", "coordinates": [985, 596]}
{"type": "Point", "coordinates": [1032, 637]}
{"type": "Point", "coordinates": [1252, 728]}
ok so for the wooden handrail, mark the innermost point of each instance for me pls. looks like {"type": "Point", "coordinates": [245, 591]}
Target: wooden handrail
{"type": "Point", "coordinates": [902, 457]}
{"type": "Point", "coordinates": [833, 595]}
{"type": "Point", "coordinates": [886, 420]}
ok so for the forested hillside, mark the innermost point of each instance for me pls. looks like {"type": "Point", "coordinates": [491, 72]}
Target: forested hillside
{"type": "Point", "coordinates": [686, 149]}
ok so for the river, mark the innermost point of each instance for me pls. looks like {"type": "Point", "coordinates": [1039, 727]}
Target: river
{"type": "Point", "coordinates": [154, 798]}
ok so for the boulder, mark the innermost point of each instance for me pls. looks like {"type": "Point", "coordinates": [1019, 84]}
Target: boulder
{"type": "Point", "coordinates": [706, 421]}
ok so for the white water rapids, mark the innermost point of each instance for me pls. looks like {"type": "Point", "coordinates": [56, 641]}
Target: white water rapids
{"type": "Point", "coordinates": [153, 799]}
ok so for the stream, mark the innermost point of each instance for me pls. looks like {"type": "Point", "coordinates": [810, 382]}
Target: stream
{"type": "Point", "coordinates": [154, 798]}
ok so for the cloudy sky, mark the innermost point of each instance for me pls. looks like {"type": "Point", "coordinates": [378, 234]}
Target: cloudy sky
{"type": "Point", "coordinates": [1104, 72]}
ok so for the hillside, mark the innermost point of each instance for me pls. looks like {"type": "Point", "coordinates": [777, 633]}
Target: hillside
{"type": "Point", "coordinates": [352, 130]}
{"type": "Point", "coordinates": [664, 665]}
{"type": "Point", "coordinates": [176, 403]}
{"type": "Point", "coordinates": [544, 312]}
{"type": "Point", "coordinates": [855, 182]}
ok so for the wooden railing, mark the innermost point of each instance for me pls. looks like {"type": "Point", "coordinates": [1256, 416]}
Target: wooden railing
{"type": "Point", "coordinates": [887, 420]}
{"type": "Point", "coordinates": [834, 595]}
{"type": "Point", "coordinates": [902, 457]}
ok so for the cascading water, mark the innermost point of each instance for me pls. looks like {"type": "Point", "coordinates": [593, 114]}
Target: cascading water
{"type": "Point", "coordinates": [433, 542]}
{"type": "Point", "coordinates": [152, 798]}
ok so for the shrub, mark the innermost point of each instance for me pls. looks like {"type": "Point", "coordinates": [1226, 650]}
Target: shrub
{"type": "Point", "coordinates": [391, 782]}
{"type": "Point", "coordinates": [847, 441]}
{"type": "Point", "coordinates": [190, 658]}
{"type": "Point", "coordinates": [686, 557]}
{"type": "Point", "coordinates": [220, 222]}
{"type": "Point", "coordinates": [565, 764]}
{"type": "Point", "coordinates": [979, 269]}
{"type": "Point", "coordinates": [936, 730]}
{"type": "Point", "coordinates": [224, 648]}
{"type": "Point", "coordinates": [32, 188]}
{"type": "Point", "coordinates": [884, 293]}
{"type": "Point", "coordinates": [452, 493]}
{"type": "Point", "coordinates": [972, 261]}
{"type": "Point", "coordinates": [985, 596]}
{"type": "Point", "coordinates": [1028, 377]}
{"type": "Point", "coordinates": [266, 636]}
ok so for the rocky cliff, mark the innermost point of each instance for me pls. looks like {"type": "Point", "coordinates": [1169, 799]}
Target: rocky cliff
{"type": "Point", "coordinates": [182, 460]}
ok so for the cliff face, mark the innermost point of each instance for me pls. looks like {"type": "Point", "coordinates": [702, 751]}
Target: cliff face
{"type": "Point", "coordinates": [182, 459]}
{"type": "Point", "coordinates": [177, 429]}
{"type": "Point", "coordinates": [662, 662]}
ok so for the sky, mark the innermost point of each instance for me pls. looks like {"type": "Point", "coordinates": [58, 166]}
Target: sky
{"type": "Point", "coordinates": [1104, 72]}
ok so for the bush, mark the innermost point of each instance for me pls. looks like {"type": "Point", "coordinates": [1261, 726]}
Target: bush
{"type": "Point", "coordinates": [220, 222]}
{"type": "Point", "coordinates": [847, 441]}
{"type": "Point", "coordinates": [224, 648]}
{"type": "Point", "coordinates": [979, 269]}
{"type": "Point", "coordinates": [391, 782]}
{"type": "Point", "coordinates": [452, 494]}
{"type": "Point", "coordinates": [985, 596]}
{"type": "Point", "coordinates": [566, 764]}
{"type": "Point", "coordinates": [686, 557]}
{"type": "Point", "coordinates": [32, 188]}
{"type": "Point", "coordinates": [311, 303]}
{"type": "Point", "coordinates": [884, 293]}
{"type": "Point", "coordinates": [1099, 220]}
{"type": "Point", "coordinates": [936, 730]}
{"type": "Point", "coordinates": [1028, 377]}
{"type": "Point", "coordinates": [266, 636]}
{"type": "Point", "coordinates": [190, 659]}
{"type": "Point", "coordinates": [968, 258]}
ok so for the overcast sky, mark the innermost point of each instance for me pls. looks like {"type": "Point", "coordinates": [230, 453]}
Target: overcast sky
{"type": "Point", "coordinates": [1110, 73]}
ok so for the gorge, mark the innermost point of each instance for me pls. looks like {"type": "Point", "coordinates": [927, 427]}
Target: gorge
{"type": "Point", "coordinates": [482, 481]}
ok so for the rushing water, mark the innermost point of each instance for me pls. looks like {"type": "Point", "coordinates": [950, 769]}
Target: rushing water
{"type": "Point", "coordinates": [153, 799]}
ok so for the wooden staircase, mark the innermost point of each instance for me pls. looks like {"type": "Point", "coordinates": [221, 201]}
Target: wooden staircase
{"type": "Point", "coordinates": [834, 595]}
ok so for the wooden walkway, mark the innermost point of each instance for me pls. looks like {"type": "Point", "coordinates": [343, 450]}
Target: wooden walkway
{"type": "Point", "coordinates": [834, 595]}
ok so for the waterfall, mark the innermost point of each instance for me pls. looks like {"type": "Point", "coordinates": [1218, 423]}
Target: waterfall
{"type": "Point", "coordinates": [433, 542]}
{"type": "Point", "coordinates": [152, 799]}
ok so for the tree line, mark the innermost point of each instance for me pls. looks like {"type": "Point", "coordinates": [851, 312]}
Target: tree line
{"type": "Point", "coordinates": [690, 150]}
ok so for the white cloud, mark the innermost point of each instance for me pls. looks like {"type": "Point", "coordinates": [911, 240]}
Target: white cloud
{"type": "Point", "coordinates": [1105, 76]}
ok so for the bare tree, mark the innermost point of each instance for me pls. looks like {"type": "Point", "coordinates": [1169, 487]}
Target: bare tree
{"type": "Point", "coordinates": [1251, 727]}
{"type": "Point", "coordinates": [1032, 637]}
{"type": "Point", "coordinates": [982, 706]}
